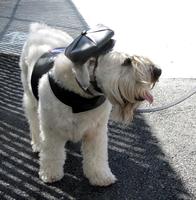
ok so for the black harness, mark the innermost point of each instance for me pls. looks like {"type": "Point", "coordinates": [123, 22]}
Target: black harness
{"type": "Point", "coordinates": [75, 101]}
{"type": "Point", "coordinates": [90, 43]}
{"type": "Point", "coordinates": [42, 66]}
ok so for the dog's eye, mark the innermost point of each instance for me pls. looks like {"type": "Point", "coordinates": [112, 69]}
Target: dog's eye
{"type": "Point", "coordinates": [127, 62]}
{"type": "Point", "coordinates": [139, 99]}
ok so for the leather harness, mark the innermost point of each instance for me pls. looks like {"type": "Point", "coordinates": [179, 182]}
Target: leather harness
{"type": "Point", "coordinates": [90, 43]}
{"type": "Point", "coordinates": [75, 101]}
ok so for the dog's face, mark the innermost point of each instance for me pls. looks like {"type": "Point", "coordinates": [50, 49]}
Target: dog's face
{"type": "Point", "coordinates": [127, 81]}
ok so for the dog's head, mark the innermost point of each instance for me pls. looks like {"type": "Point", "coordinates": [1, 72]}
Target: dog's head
{"type": "Point", "coordinates": [126, 81]}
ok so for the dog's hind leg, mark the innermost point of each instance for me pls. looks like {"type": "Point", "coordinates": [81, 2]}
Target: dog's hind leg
{"type": "Point", "coordinates": [30, 106]}
{"type": "Point", "coordinates": [95, 157]}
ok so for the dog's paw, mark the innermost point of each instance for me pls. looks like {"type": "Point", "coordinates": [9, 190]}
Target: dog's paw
{"type": "Point", "coordinates": [50, 175]}
{"type": "Point", "coordinates": [102, 178]}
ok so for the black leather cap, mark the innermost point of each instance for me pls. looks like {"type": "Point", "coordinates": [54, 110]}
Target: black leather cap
{"type": "Point", "coordinates": [90, 43]}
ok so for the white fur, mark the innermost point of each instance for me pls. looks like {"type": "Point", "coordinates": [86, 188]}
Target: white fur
{"type": "Point", "coordinates": [52, 123]}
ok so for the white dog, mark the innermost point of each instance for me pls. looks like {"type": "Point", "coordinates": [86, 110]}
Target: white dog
{"type": "Point", "coordinates": [124, 80]}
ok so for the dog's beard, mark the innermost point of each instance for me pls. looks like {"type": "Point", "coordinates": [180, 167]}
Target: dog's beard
{"type": "Point", "coordinates": [124, 113]}
{"type": "Point", "coordinates": [126, 94]}
{"type": "Point", "coordinates": [121, 96]}
{"type": "Point", "coordinates": [124, 108]}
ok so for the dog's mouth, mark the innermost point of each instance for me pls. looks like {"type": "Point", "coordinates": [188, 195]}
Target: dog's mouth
{"type": "Point", "coordinates": [145, 96]}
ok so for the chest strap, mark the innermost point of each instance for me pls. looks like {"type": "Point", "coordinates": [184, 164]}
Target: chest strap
{"type": "Point", "coordinates": [77, 102]}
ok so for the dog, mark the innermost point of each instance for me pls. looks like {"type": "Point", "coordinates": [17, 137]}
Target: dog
{"type": "Point", "coordinates": [125, 81]}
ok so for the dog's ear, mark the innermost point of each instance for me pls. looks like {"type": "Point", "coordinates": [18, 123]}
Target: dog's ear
{"type": "Point", "coordinates": [127, 62]}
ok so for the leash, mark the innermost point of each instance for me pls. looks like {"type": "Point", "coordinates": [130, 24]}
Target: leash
{"type": "Point", "coordinates": [164, 107]}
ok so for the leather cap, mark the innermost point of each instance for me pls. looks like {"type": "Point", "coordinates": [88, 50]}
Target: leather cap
{"type": "Point", "coordinates": [90, 43]}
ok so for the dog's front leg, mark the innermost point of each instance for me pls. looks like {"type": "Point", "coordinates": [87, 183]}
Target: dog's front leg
{"type": "Point", "coordinates": [95, 157]}
{"type": "Point", "coordinates": [52, 158]}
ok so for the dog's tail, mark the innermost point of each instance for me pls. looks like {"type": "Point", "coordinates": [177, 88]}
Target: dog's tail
{"type": "Point", "coordinates": [34, 27]}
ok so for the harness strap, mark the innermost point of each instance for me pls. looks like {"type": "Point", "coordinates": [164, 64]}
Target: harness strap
{"type": "Point", "coordinates": [42, 66]}
{"type": "Point", "coordinates": [75, 101]}
{"type": "Point", "coordinates": [94, 89]}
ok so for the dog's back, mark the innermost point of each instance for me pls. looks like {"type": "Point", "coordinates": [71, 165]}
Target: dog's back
{"type": "Point", "coordinates": [41, 39]}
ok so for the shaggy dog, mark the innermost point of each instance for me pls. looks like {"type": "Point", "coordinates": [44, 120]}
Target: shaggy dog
{"type": "Point", "coordinates": [124, 80]}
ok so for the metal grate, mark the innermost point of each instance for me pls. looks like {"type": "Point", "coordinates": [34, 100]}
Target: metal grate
{"type": "Point", "coordinates": [16, 15]}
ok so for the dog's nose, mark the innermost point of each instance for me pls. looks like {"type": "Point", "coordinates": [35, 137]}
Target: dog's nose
{"type": "Point", "coordinates": [156, 73]}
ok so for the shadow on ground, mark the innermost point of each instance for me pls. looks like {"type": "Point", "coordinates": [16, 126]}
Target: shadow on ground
{"type": "Point", "coordinates": [136, 157]}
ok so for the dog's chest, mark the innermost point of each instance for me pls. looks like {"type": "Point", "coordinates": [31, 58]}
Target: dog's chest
{"type": "Point", "coordinates": [61, 119]}
{"type": "Point", "coordinates": [85, 122]}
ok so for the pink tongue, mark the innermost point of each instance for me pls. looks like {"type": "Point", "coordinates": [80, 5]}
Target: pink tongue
{"type": "Point", "coordinates": [148, 97]}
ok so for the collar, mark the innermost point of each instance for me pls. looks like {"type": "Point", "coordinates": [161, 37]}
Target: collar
{"type": "Point", "coordinates": [75, 101]}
